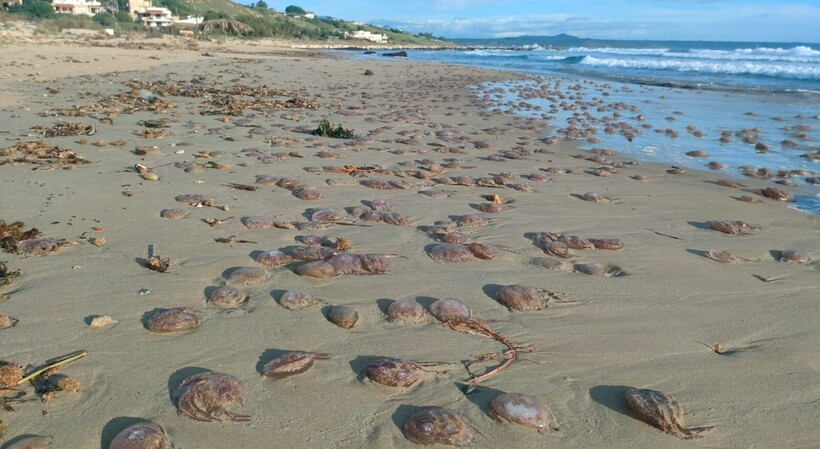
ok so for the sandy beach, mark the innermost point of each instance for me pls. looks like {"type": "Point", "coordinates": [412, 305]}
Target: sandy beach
{"type": "Point", "coordinates": [212, 119]}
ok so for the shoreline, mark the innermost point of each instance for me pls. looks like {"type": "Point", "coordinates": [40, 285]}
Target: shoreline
{"type": "Point", "coordinates": [414, 122]}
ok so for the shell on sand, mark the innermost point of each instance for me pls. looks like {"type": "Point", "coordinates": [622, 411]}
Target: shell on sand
{"type": "Point", "coordinates": [450, 309]}
{"type": "Point", "coordinates": [174, 320]}
{"type": "Point", "coordinates": [144, 435]}
{"type": "Point", "coordinates": [174, 214]}
{"type": "Point", "coordinates": [406, 311]}
{"type": "Point", "coordinates": [226, 297]}
{"type": "Point", "coordinates": [436, 425]}
{"type": "Point", "coordinates": [343, 316]}
{"type": "Point", "coordinates": [394, 372]}
{"type": "Point", "coordinates": [521, 409]}
{"type": "Point", "coordinates": [206, 397]}
{"type": "Point", "coordinates": [273, 259]}
{"type": "Point", "coordinates": [297, 300]}
{"type": "Point", "coordinates": [291, 363]}
{"type": "Point", "coordinates": [32, 442]}
{"type": "Point", "coordinates": [248, 276]}
{"type": "Point", "coordinates": [660, 410]}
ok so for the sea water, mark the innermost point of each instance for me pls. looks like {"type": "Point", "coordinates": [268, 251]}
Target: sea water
{"type": "Point", "coordinates": [713, 87]}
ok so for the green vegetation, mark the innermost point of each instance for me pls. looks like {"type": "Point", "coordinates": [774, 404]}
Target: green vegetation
{"type": "Point", "coordinates": [325, 129]}
{"type": "Point", "coordinates": [263, 21]}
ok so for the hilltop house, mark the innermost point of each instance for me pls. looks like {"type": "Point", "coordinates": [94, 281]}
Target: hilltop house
{"type": "Point", "coordinates": [87, 7]}
{"type": "Point", "coordinates": [368, 36]}
{"type": "Point", "coordinates": [156, 17]}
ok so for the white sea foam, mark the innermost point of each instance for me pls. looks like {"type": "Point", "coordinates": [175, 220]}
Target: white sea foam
{"type": "Point", "coordinates": [783, 70]}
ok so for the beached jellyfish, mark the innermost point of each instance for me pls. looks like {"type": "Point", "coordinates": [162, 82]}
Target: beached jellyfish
{"type": "Point", "coordinates": [777, 194]}
{"type": "Point", "coordinates": [524, 298]}
{"type": "Point", "coordinates": [454, 237]}
{"type": "Point", "coordinates": [594, 197]}
{"type": "Point", "coordinates": [381, 205]}
{"type": "Point", "coordinates": [609, 244]}
{"type": "Point", "coordinates": [173, 214]}
{"type": "Point", "coordinates": [273, 259]}
{"type": "Point", "coordinates": [436, 425]}
{"type": "Point", "coordinates": [394, 372]}
{"type": "Point", "coordinates": [293, 300]}
{"type": "Point", "coordinates": [723, 256]}
{"type": "Point", "coordinates": [226, 297]}
{"type": "Point", "coordinates": [558, 249]}
{"type": "Point", "coordinates": [174, 320]}
{"type": "Point", "coordinates": [361, 264]}
{"type": "Point", "coordinates": [143, 435]}
{"type": "Point", "coordinates": [291, 363]}
{"type": "Point", "coordinates": [660, 410]}
{"type": "Point", "coordinates": [196, 200]}
{"type": "Point", "coordinates": [38, 246]}
{"type": "Point", "coordinates": [327, 215]}
{"type": "Point", "coordinates": [31, 442]}
{"type": "Point", "coordinates": [407, 311]}
{"type": "Point", "coordinates": [732, 227]}
{"type": "Point", "coordinates": [596, 269]}
{"type": "Point", "coordinates": [450, 309]}
{"type": "Point", "coordinates": [207, 396]}
{"type": "Point", "coordinates": [316, 269]}
{"type": "Point", "coordinates": [258, 222]}
{"type": "Point", "coordinates": [521, 409]}
{"type": "Point", "coordinates": [547, 262]}
{"type": "Point", "coordinates": [313, 252]}
{"type": "Point", "coordinates": [450, 252]}
{"type": "Point", "coordinates": [248, 276]}
{"type": "Point", "coordinates": [794, 256]}
{"type": "Point", "coordinates": [343, 316]}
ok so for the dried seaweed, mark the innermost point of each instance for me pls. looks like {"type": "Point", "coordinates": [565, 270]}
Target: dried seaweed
{"type": "Point", "coordinates": [7, 275]}
{"type": "Point", "coordinates": [47, 157]}
{"type": "Point", "coordinates": [12, 233]}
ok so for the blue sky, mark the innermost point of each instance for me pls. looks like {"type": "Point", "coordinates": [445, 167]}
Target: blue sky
{"type": "Point", "coordinates": [726, 20]}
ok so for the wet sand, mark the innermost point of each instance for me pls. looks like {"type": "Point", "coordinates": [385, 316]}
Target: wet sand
{"type": "Point", "coordinates": [649, 327]}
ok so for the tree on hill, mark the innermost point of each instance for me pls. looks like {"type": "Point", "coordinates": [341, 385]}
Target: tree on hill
{"type": "Point", "coordinates": [41, 10]}
{"type": "Point", "coordinates": [295, 10]}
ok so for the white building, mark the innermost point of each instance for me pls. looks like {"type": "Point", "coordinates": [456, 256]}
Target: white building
{"type": "Point", "coordinates": [368, 36]}
{"type": "Point", "coordinates": [156, 17]}
{"type": "Point", "coordinates": [87, 7]}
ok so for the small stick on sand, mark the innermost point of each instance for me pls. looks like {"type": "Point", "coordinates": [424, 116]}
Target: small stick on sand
{"type": "Point", "coordinates": [54, 363]}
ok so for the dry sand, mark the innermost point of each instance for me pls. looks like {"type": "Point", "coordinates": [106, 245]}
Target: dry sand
{"type": "Point", "coordinates": [649, 328]}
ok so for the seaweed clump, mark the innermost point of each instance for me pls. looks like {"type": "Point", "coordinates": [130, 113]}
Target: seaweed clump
{"type": "Point", "coordinates": [326, 129]}
{"type": "Point", "coordinates": [12, 233]}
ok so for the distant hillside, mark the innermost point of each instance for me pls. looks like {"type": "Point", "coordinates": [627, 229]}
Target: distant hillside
{"type": "Point", "coordinates": [268, 23]}
{"type": "Point", "coordinates": [559, 40]}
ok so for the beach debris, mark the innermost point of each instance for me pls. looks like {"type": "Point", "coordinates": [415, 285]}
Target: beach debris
{"type": "Point", "coordinates": [394, 372]}
{"type": "Point", "coordinates": [101, 322]}
{"type": "Point", "coordinates": [522, 409]}
{"type": "Point", "coordinates": [242, 187]}
{"type": "Point", "coordinates": [407, 311]}
{"type": "Point", "coordinates": [724, 256]}
{"type": "Point", "coordinates": [476, 327]}
{"type": "Point", "coordinates": [343, 316]}
{"type": "Point", "coordinates": [522, 298]}
{"type": "Point", "coordinates": [326, 129]}
{"type": "Point", "coordinates": [45, 156]}
{"type": "Point", "coordinates": [32, 442]}
{"type": "Point", "coordinates": [207, 396]}
{"type": "Point", "coordinates": [732, 227]}
{"type": "Point", "coordinates": [295, 300]}
{"type": "Point", "coordinates": [248, 276]}
{"type": "Point", "coordinates": [794, 256]}
{"type": "Point", "coordinates": [10, 374]}
{"type": "Point", "coordinates": [38, 246]}
{"type": "Point", "coordinates": [660, 410]}
{"type": "Point", "coordinates": [158, 264]}
{"type": "Point", "coordinates": [7, 275]}
{"type": "Point", "coordinates": [291, 363]}
{"type": "Point", "coordinates": [7, 321]}
{"type": "Point", "coordinates": [436, 425]}
{"type": "Point", "coordinates": [143, 435]}
{"type": "Point", "coordinates": [177, 319]}
{"type": "Point", "coordinates": [226, 297]}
